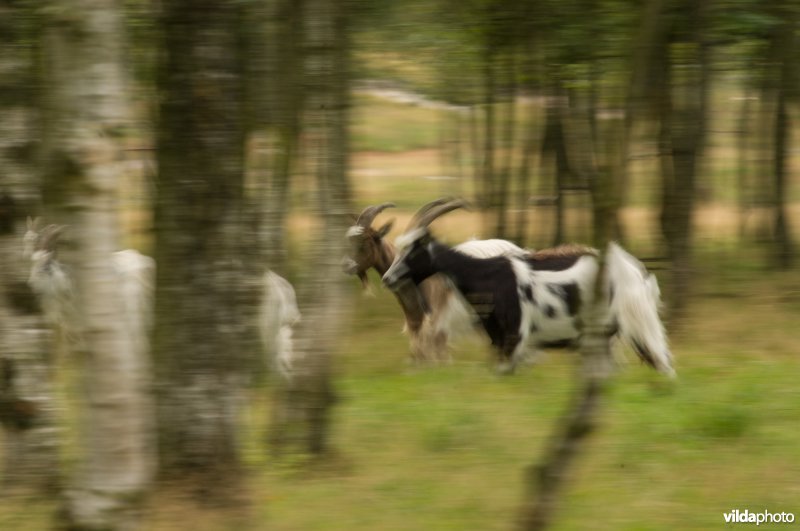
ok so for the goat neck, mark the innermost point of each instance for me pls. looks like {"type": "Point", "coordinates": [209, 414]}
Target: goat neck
{"type": "Point", "coordinates": [384, 257]}
{"type": "Point", "coordinates": [466, 272]}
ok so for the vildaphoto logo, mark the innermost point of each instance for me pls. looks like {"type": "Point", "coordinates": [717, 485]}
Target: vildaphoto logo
{"type": "Point", "coordinates": [747, 517]}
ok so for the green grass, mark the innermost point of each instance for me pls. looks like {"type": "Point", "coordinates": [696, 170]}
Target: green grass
{"type": "Point", "coordinates": [447, 447]}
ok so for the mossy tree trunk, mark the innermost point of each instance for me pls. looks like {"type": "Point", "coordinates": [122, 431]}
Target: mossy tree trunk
{"type": "Point", "coordinates": [86, 117]}
{"type": "Point", "coordinates": [202, 245]}
{"type": "Point", "coordinates": [27, 401]}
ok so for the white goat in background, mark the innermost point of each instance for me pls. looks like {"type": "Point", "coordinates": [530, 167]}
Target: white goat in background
{"type": "Point", "coordinates": [278, 314]}
{"type": "Point", "coordinates": [51, 283]}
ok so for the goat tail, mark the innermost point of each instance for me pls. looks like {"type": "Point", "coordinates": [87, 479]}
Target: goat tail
{"type": "Point", "coordinates": [634, 301]}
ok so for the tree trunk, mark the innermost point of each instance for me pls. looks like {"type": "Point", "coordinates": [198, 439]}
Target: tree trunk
{"type": "Point", "coordinates": [487, 193]}
{"type": "Point", "coordinates": [743, 170]}
{"type": "Point", "coordinates": [27, 401]}
{"type": "Point", "coordinates": [524, 177]}
{"type": "Point", "coordinates": [545, 482]}
{"type": "Point", "coordinates": [275, 95]}
{"type": "Point", "coordinates": [86, 118]}
{"type": "Point", "coordinates": [786, 88]}
{"type": "Point", "coordinates": [554, 149]}
{"type": "Point", "coordinates": [201, 245]}
{"type": "Point", "coordinates": [683, 123]}
{"type": "Point", "coordinates": [303, 406]}
{"type": "Point", "coordinates": [509, 127]}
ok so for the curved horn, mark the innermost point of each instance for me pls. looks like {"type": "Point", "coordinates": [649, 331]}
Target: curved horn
{"type": "Point", "coordinates": [49, 236]}
{"type": "Point", "coordinates": [414, 223]}
{"type": "Point", "coordinates": [369, 214]}
{"type": "Point", "coordinates": [434, 209]}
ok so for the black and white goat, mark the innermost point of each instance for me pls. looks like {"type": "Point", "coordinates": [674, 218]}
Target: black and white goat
{"type": "Point", "coordinates": [434, 314]}
{"type": "Point", "coordinates": [540, 300]}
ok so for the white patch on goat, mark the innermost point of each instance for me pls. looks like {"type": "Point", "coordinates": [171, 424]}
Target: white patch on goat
{"type": "Point", "coordinates": [355, 230]}
{"type": "Point", "coordinates": [535, 322]}
{"type": "Point", "coordinates": [490, 248]}
{"type": "Point", "coordinates": [404, 240]}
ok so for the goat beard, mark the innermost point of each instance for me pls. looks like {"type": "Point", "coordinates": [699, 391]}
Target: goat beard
{"type": "Point", "coordinates": [365, 285]}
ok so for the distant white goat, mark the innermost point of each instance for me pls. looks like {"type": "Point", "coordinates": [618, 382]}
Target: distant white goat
{"type": "Point", "coordinates": [50, 281]}
{"type": "Point", "coordinates": [278, 316]}
{"type": "Point", "coordinates": [48, 278]}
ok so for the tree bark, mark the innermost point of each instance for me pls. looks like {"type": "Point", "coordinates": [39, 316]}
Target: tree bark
{"type": "Point", "coordinates": [86, 117]}
{"type": "Point", "coordinates": [545, 482]}
{"type": "Point", "coordinates": [303, 406]}
{"type": "Point", "coordinates": [201, 245]}
{"type": "Point", "coordinates": [785, 48]}
{"type": "Point", "coordinates": [554, 149]}
{"type": "Point", "coordinates": [683, 128]}
{"type": "Point", "coordinates": [487, 201]}
{"type": "Point", "coordinates": [509, 128]}
{"type": "Point", "coordinates": [27, 402]}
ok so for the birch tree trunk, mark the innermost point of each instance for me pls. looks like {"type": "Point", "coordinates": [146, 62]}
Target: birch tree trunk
{"type": "Point", "coordinates": [86, 116]}
{"type": "Point", "coordinates": [201, 308]}
{"type": "Point", "coordinates": [27, 402]}
{"type": "Point", "coordinates": [302, 412]}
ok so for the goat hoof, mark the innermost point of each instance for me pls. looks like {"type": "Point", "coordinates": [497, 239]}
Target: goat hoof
{"type": "Point", "coordinates": [504, 368]}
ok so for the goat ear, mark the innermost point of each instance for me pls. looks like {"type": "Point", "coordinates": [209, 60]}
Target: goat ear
{"type": "Point", "coordinates": [385, 228]}
{"type": "Point", "coordinates": [33, 223]}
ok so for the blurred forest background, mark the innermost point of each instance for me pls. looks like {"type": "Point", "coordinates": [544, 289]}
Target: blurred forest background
{"type": "Point", "coordinates": [223, 138]}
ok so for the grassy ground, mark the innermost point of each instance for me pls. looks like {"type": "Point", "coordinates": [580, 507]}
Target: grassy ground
{"type": "Point", "coordinates": [446, 448]}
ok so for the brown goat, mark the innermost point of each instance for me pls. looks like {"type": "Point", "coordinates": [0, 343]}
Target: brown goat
{"type": "Point", "coordinates": [434, 313]}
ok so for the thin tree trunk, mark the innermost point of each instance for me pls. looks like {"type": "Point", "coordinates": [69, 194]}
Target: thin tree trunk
{"type": "Point", "coordinates": [524, 178]}
{"type": "Point", "coordinates": [83, 166]}
{"type": "Point", "coordinates": [783, 239]}
{"type": "Point", "coordinates": [304, 405]}
{"type": "Point", "coordinates": [475, 153]}
{"type": "Point", "coordinates": [786, 47]}
{"type": "Point", "coordinates": [554, 149]}
{"type": "Point", "coordinates": [288, 104]}
{"type": "Point", "coordinates": [27, 401]}
{"type": "Point", "coordinates": [743, 163]}
{"type": "Point", "coordinates": [545, 482]}
{"type": "Point", "coordinates": [487, 197]}
{"type": "Point", "coordinates": [683, 126]}
{"type": "Point", "coordinates": [504, 177]}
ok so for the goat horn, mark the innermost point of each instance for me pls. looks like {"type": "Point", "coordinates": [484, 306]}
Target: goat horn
{"type": "Point", "coordinates": [48, 237]}
{"type": "Point", "coordinates": [414, 223]}
{"type": "Point", "coordinates": [434, 209]}
{"type": "Point", "coordinates": [369, 214]}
